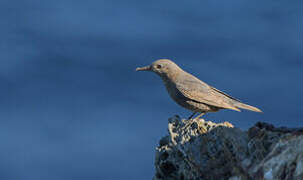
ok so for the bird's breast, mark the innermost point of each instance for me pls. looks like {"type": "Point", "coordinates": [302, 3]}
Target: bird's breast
{"type": "Point", "coordinates": [172, 90]}
{"type": "Point", "coordinates": [175, 94]}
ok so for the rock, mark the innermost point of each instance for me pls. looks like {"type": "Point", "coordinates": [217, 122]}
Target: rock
{"type": "Point", "coordinates": [199, 149]}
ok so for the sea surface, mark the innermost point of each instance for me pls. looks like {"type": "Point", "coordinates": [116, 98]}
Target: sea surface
{"type": "Point", "coordinates": [72, 106]}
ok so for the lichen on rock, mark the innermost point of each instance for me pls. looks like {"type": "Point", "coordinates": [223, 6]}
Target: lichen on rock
{"type": "Point", "coordinates": [199, 149]}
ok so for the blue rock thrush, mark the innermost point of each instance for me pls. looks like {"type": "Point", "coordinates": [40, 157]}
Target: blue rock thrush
{"type": "Point", "coordinates": [192, 93]}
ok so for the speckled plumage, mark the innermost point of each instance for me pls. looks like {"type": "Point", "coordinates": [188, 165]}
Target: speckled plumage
{"type": "Point", "coordinates": [192, 93]}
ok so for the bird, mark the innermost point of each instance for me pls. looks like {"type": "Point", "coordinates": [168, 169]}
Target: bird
{"type": "Point", "coordinates": [191, 93]}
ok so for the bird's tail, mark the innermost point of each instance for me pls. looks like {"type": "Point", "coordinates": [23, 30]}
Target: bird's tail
{"type": "Point", "coordinates": [246, 106]}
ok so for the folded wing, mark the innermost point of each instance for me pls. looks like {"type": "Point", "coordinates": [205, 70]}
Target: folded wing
{"type": "Point", "coordinates": [199, 91]}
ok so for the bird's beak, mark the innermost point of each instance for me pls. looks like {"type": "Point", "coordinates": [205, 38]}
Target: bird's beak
{"type": "Point", "coordinates": [145, 68]}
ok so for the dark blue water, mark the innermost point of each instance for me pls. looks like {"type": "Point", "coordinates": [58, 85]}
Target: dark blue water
{"type": "Point", "coordinates": [72, 107]}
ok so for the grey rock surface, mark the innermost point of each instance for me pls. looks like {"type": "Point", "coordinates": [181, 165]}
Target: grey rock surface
{"type": "Point", "coordinates": [199, 149]}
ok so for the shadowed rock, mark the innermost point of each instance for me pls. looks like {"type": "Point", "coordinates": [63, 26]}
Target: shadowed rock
{"type": "Point", "coordinates": [199, 150]}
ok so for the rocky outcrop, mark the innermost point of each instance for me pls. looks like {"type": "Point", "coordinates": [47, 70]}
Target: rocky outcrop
{"type": "Point", "coordinates": [199, 149]}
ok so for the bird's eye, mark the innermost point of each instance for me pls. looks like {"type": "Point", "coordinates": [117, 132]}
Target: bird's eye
{"type": "Point", "coordinates": [159, 66]}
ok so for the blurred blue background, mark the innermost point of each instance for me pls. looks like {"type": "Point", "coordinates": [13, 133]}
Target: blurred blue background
{"type": "Point", "coordinates": [72, 107]}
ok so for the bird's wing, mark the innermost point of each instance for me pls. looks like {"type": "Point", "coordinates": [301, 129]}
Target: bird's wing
{"type": "Point", "coordinates": [199, 91]}
{"type": "Point", "coordinates": [221, 92]}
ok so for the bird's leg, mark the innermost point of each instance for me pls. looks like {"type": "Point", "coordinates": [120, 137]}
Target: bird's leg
{"type": "Point", "coordinates": [192, 115]}
{"type": "Point", "coordinates": [200, 115]}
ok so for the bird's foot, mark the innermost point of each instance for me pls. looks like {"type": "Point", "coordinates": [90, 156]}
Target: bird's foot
{"type": "Point", "coordinates": [200, 115]}
{"type": "Point", "coordinates": [191, 116]}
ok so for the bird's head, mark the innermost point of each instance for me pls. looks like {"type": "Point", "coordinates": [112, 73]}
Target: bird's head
{"type": "Point", "coordinates": [162, 67]}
